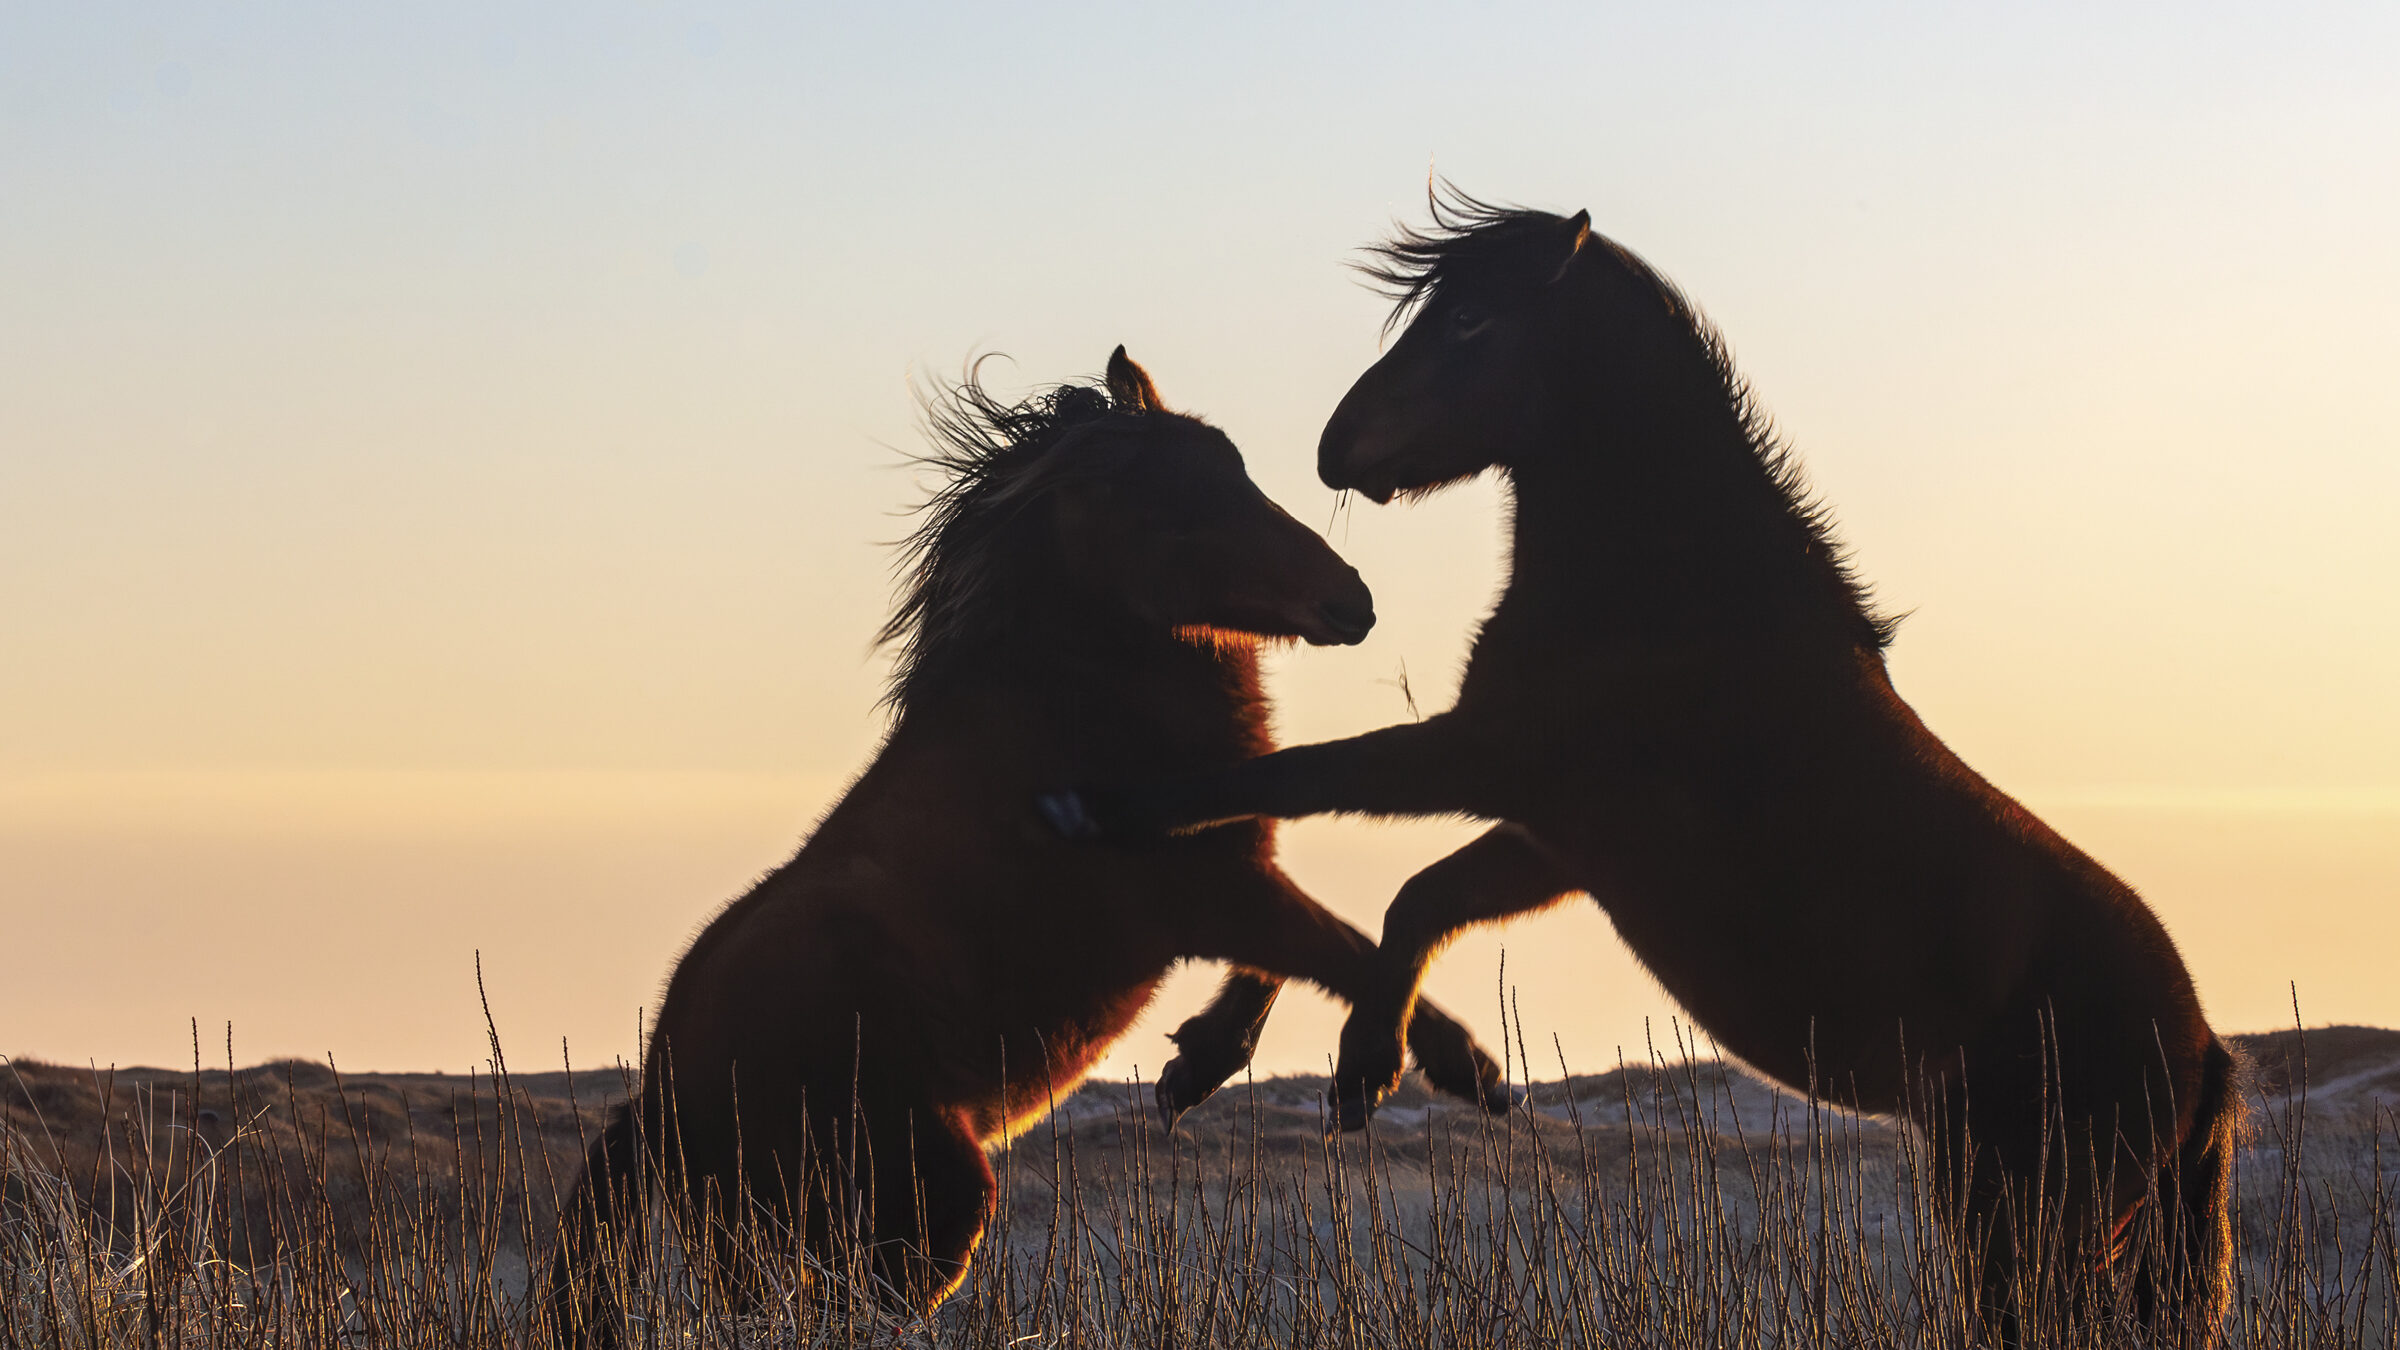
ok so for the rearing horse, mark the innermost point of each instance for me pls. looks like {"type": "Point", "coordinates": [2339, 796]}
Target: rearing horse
{"type": "Point", "coordinates": [934, 968]}
{"type": "Point", "coordinates": [1680, 707]}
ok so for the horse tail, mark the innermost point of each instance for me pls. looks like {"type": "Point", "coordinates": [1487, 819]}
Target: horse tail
{"type": "Point", "coordinates": [585, 1223]}
{"type": "Point", "coordinates": [2196, 1186]}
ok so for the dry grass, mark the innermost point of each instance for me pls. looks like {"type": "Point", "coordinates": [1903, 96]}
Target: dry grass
{"type": "Point", "coordinates": [1673, 1204]}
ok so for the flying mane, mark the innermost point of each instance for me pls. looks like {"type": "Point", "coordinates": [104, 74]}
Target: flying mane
{"type": "Point", "coordinates": [994, 460]}
{"type": "Point", "coordinates": [1411, 266]}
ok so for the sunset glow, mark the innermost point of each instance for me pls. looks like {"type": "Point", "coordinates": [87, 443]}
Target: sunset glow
{"type": "Point", "coordinates": [445, 464]}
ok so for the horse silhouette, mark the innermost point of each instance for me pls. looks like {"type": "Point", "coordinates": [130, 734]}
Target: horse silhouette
{"type": "Point", "coordinates": [934, 968]}
{"type": "Point", "coordinates": [1680, 707]}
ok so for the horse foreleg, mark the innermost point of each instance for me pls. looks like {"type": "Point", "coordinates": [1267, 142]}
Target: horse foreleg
{"type": "Point", "coordinates": [1216, 1043]}
{"type": "Point", "coordinates": [1272, 930]}
{"type": "Point", "coordinates": [1439, 766]}
{"type": "Point", "coordinates": [1502, 873]}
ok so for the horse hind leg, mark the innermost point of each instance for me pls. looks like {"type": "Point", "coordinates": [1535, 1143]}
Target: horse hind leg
{"type": "Point", "coordinates": [2183, 1278]}
{"type": "Point", "coordinates": [2064, 1200]}
{"type": "Point", "coordinates": [932, 1194]}
{"type": "Point", "coordinates": [578, 1302]}
{"type": "Point", "coordinates": [2000, 1176]}
{"type": "Point", "coordinates": [2147, 1209]}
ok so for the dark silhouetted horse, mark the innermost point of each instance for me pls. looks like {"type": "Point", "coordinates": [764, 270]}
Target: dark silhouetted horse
{"type": "Point", "coordinates": [1680, 707]}
{"type": "Point", "coordinates": [935, 968]}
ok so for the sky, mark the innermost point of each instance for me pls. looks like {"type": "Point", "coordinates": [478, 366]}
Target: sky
{"type": "Point", "coordinates": [447, 457]}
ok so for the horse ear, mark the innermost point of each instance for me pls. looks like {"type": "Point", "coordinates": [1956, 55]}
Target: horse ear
{"type": "Point", "coordinates": [1578, 230]}
{"type": "Point", "coordinates": [1129, 385]}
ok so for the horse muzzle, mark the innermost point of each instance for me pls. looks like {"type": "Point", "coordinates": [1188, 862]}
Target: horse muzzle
{"type": "Point", "coordinates": [1363, 454]}
{"type": "Point", "coordinates": [1347, 621]}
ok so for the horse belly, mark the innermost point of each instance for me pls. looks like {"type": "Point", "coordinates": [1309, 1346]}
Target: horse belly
{"type": "Point", "coordinates": [1792, 989]}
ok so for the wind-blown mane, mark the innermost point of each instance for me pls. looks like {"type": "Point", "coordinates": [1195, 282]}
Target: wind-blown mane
{"type": "Point", "coordinates": [1411, 266]}
{"type": "Point", "coordinates": [992, 457]}
{"type": "Point", "coordinates": [1413, 263]}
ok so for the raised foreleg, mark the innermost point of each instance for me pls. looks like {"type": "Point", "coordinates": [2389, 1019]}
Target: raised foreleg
{"type": "Point", "coordinates": [1272, 930]}
{"type": "Point", "coordinates": [1440, 766]}
{"type": "Point", "coordinates": [1502, 873]}
{"type": "Point", "coordinates": [1215, 1043]}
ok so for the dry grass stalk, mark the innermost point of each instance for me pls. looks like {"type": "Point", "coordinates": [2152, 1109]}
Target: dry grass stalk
{"type": "Point", "coordinates": [1670, 1204]}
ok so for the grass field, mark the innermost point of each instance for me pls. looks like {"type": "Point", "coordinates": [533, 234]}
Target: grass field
{"type": "Point", "coordinates": [1676, 1203]}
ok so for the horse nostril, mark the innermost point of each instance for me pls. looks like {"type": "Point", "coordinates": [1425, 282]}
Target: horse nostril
{"type": "Point", "coordinates": [1350, 618]}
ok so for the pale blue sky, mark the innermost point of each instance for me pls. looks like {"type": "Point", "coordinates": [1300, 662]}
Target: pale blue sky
{"type": "Point", "coordinates": [442, 455]}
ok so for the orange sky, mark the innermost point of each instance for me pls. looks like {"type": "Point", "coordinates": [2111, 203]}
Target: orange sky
{"type": "Point", "coordinates": [442, 462]}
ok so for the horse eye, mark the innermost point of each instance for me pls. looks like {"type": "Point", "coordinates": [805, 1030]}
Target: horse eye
{"type": "Point", "coordinates": [1465, 319]}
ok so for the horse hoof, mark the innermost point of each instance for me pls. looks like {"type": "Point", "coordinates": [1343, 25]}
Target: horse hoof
{"type": "Point", "coordinates": [1169, 1105]}
{"type": "Point", "coordinates": [1178, 1090]}
{"type": "Point", "coordinates": [1067, 815]}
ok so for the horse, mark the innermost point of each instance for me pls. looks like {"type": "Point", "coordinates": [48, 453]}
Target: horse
{"type": "Point", "coordinates": [1680, 707]}
{"type": "Point", "coordinates": [1085, 595]}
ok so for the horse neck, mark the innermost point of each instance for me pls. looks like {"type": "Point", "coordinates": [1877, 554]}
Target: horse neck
{"type": "Point", "coordinates": [1105, 673]}
{"type": "Point", "coordinates": [1660, 512]}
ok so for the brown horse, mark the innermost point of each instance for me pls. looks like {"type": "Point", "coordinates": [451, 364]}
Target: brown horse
{"type": "Point", "coordinates": [934, 968]}
{"type": "Point", "coordinates": [1680, 707]}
